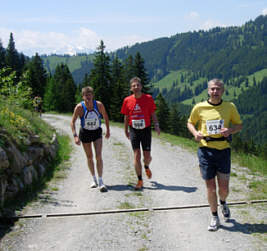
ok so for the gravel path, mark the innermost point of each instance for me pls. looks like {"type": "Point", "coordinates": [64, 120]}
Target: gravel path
{"type": "Point", "coordinates": [175, 182]}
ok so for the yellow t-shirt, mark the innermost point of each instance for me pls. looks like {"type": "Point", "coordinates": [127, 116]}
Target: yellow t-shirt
{"type": "Point", "coordinates": [211, 118]}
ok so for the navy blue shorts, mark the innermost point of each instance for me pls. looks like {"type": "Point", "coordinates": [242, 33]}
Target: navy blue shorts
{"type": "Point", "coordinates": [88, 136]}
{"type": "Point", "coordinates": [141, 136]}
{"type": "Point", "coordinates": [213, 162]}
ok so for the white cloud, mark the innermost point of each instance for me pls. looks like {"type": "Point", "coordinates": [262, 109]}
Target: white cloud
{"type": "Point", "coordinates": [82, 40]}
{"type": "Point", "coordinates": [30, 42]}
{"type": "Point", "coordinates": [264, 12]}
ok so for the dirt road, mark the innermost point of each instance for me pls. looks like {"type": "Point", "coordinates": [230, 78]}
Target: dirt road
{"type": "Point", "coordinates": [175, 183]}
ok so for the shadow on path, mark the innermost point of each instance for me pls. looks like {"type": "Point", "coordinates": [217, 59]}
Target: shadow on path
{"type": "Point", "coordinates": [246, 228]}
{"type": "Point", "coordinates": [159, 186]}
{"type": "Point", "coordinates": [119, 187]}
{"type": "Point", "coordinates": [155, 186]}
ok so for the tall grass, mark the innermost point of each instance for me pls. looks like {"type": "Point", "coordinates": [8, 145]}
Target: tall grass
{"type": "Point", "coordinates": [19, 123]}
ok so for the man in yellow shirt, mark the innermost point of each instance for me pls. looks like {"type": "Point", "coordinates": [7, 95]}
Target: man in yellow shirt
{"type": "Point", "coordinates": [215, 120]}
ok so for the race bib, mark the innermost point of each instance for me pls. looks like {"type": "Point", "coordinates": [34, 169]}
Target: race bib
{"type": "Point", "coordinates": [214, 126]}
{"type": "Point", "coordinates": [91, 122]}
{"type": "Point", "coordinates": [138, 124]}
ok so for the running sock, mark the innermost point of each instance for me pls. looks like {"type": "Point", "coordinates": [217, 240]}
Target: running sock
{"type": "Point", "coordinates": [214, 213]}
{"type": "Point", "coordinates": [222, 202]}
{"type": "Point", "coordinates": [100, 181]}
{"type": "Point", "coordinates": [146, 167]}
{"type": "Point", "coordinates": [94, 178]}
{"type": "Point", "coordinates": [139, 177]}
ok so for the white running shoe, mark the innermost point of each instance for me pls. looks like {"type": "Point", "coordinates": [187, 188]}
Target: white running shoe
{"type": "Point", "coordinates": [214, 223]}
{"type": "Point", "coordinates": [94, 185]}
{"type": "Point", "coordinates": [103, 188]}
{"type": "Point", "coordinates": [226, 212]}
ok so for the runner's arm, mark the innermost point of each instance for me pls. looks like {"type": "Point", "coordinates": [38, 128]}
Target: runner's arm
{"type": "Point", "coordinates": [102, 110]}
{"type": "Point", "coordinates": [126, 125]}
{"type": "Point", "coordinates": [197, 135]}
{"type": "Point", "coordinates": [156, 122]}
{"type": "Point", "coordinates": [72, 124]}
{"type": "Point", "coordinates": [232, 130]}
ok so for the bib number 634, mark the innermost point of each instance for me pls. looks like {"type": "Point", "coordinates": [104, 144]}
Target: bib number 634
{"type": "Point", "coordinates": [214, 126]}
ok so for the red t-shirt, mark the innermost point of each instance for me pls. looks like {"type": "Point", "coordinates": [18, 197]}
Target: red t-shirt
{"type": "Point", "coordinates": [139, 109]}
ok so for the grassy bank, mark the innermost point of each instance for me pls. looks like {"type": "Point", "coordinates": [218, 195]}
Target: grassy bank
{"type": "Point", "coordinates": [18, 124]}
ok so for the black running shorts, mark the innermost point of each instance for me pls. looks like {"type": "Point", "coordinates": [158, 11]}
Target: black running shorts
{"type": "Point", "coordinates": [214, 162]}
{"type": "Point", "coordinates": [141, 136]}
{"type": "Point", "coordinates": [88, 136]}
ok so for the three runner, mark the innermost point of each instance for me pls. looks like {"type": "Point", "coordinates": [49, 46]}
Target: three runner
{"type": "Point", "coordinates": [216, 120]}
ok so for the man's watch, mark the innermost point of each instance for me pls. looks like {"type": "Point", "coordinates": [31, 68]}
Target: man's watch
{"type": "Point", "coordinates": [75, 135]}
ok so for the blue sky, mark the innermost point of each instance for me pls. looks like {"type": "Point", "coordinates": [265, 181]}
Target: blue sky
{"type": "Point", "coordinates": [67, 27]}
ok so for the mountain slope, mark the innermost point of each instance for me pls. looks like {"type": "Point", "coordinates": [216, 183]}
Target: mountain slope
{"type": "Point", "coordinates": [222, 52]}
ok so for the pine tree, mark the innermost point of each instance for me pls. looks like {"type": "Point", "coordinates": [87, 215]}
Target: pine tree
{"type": "Point", "coordinates": [100, 78]}
{"type": "Point", "coordinates": [129, 72]}
{"type": "Point", "coordinates": [37, 75]}
{"type": "Point", "coordinates": [254, 81]}
{"type": "Point", "coordinates": [140, 71]}
{"type": "Point", "coordinates": [119, 90]}
{"type": "Point", "coordinates": [162, 113]}
{"type": "Point", "coordinates": [12, 56]}
{"type": "Point", "coordinates": [177, 122]}
{"type": "Point", "coordinates": [2, 56]}
{"type": "Point", "coordinates": [86, 81]}
{"type": "Point", "coordinates": [50, 95]}
{"type": "Point", "coordinates": [78, 93]}
{"type": "Point", "coordinates": [63, 89]}
{"type": "Point", "coordinates": [69, 94]}
{"type": "Point", "coordinates": [174, 121]}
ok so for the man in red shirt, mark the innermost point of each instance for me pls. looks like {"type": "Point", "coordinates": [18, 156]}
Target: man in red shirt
{"type": "Point", "coordinates": [138, 109]}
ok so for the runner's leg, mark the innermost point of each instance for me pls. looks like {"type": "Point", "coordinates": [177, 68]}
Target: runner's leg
{"type": "Point", "coordinates": [98, 153]}
{"type": "Point", "coordinates": [147, 157]}
{"type": "Point", "coordinates": [146, 146]}
{"type": "Point", "coordinates": [223, 184]}
{"type": "Point", "coordinates": [211, 193]}
{"type": "Point", "coordinates": [99, 163]}
{"type": "Point", "coordinates": [137, 162]}
{"type": "Point", "coordinates": [89, 155]}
